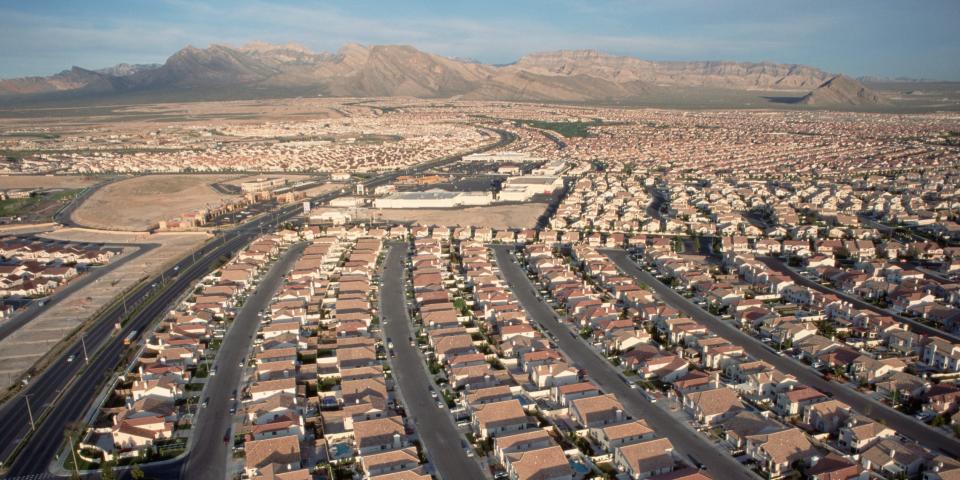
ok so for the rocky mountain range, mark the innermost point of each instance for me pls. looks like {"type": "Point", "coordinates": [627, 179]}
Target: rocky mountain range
{"type": "Point", "coordinates": [842, 90]}
{"type": "Point", "coordinates": [391, 70]}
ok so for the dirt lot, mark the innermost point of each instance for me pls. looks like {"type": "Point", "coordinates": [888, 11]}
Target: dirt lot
{"type": "Point", "coordinates": [27, 345]}
{"type": "Point", "coordinates": [496, 217]}
{"type": "Point", "coordinates": [139, 203]}
{"type": "Point", "coordinates": [322, 189]}
{"type": "Point", "coordinates": [137, 117]}
{"type": "Point", "coordinates": [291, 179]}
{"type": "Point", "coordinates": [47, 181]}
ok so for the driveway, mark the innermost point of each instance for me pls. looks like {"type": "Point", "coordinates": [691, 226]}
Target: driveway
{"type": "Point", "coordinates": [904, 424]}
{"type": "Point", "coordinates": [207, 457]}
{"type": "Point", "coordinates": [434, 425]}
{"type": "Point", "coordinates": [778, 265]}
{"type": "Point", "coordinates": [602, 372]}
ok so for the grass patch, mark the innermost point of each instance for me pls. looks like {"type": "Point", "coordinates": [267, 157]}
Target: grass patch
{"type": "Point", "coordinates": [568, 129]}
{"type": "Point", "coordinates": [21, 206]}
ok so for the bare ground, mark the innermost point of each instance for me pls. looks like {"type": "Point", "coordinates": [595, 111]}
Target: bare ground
{"type": "Point", "coordinates": [139, 203]}
{"type": "Point", "coordinates": [24, 347]}
{"type": "Point", "coordinates": [47, 181]}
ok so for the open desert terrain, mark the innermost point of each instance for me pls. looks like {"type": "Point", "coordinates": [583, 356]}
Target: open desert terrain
{"type": "Point", "coordinates": [29, 344]}
{"type": "Point", "coordinates": [139, 203]}
{"type": "Point", "coordinates": [47, 181]}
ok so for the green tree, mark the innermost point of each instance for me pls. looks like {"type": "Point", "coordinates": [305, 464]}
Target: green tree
{"type": "Point", "coordinates": [106, 471]}
{"type": "Point", "coordinates": [136, 473]}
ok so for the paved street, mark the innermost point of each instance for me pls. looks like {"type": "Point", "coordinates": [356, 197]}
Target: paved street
{"type": "Point", "coordinates": [685, 440]}
{"type": "Point", "coordinates": [34, 309]}
{"type": "Point", "coordinates": [904, 424]}
{"type": "Point", "coordinates": [208, 453]}
{"type": "Point", "coordinates": [434, 425]}
{"type": "Point", "coordinates": [81, 385]}
{"type": "Point", "coordinates": [778, 265]}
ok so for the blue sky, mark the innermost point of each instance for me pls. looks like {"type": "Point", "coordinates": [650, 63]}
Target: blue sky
{"type": "Point", "coordinates": [859, 37]}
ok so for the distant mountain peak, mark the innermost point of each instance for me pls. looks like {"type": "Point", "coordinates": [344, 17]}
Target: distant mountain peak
{"type": "Point", "coordinates": [126, 69]}
{"type": "Point", "coordinates": [842, 90]}
{"type": "Point", "coordinates": [258, 46]}
{"type": "Point", "coordinates": [357, 70]}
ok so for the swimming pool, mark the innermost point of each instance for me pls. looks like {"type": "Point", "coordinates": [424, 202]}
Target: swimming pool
{"type": "Point", "coordinates": [579, 468]}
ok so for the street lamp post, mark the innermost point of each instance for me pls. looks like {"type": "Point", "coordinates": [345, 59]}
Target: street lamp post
{"type": "Point", "coordinates": [33, 426]}
{"type": "Point", "coordinates": [86, 359]}
{"type": "Point", "coordinates": [73, 453]}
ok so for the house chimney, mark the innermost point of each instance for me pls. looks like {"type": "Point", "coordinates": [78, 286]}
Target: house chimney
{"type": "Point", "coordinates": [716, 379]}
{"type": "Point", "coordinates": [396, 440]}
{"type": "Point", "coordinates": [619, 415]}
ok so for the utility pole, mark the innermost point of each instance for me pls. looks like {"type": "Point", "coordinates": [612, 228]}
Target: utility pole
{"type": "Point", "coordinates": [33, 426]}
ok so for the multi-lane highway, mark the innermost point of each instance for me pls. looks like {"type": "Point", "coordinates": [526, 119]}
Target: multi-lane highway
{"type": "Point", "coordinates": [80, 382]}
{"type": "Point", "coordinates": [30, 312]}
{"type": "Point", "coordinates": [602, 372]}
{"type": "Point", "coordinates": [867, 406]}
{"type": "Point", "coordinates": [434, 425]}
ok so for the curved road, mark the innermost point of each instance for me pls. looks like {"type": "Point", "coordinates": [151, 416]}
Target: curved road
{"type": "Point", "coordinates": [207, 457]}
{"type": "Point", "coordinates": [81, 383]}
{"type": "Point", "coordinates": [64, 216]}
{"type": "Point", "coordinates": [927, 436]}
{"type": "Point", "coordinates": [434, 425]}
{"type": "Point", "coordinates": [602, 372]}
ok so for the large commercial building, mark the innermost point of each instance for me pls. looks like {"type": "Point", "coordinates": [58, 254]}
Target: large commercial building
{"type": "Point", "coordinates": [512, 157]}
{"type": "Point", "coordinates": [553, 167]}
{"type": "Point", "coordinates": [521, 189]}
{"type": "Point", "coordinates": [433, 198]}
{"type": "Point", "coordinates": [262, 184]}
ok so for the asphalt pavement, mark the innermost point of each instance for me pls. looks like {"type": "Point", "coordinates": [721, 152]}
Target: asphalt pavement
{"type": "Point", "coordinates": [81, 382]}
{"type": "Point", "coordinates": [208, 453]}
{"type": "Point", "coordinates": [778, 265]}
{"type": "Point", "coordinates": [34, 309]}
{"type": "Point", "coordinates": [685, 440]}
{"type": "Point", "coordinates": [434, 425]}
{"type": "Point", "coordinates": [64, 216]}
{"type": "Point", "coordinates": [928, 436]}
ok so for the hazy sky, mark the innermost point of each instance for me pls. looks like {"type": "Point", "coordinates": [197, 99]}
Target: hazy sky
{"type": "Point", "coordinates": [916, 38]}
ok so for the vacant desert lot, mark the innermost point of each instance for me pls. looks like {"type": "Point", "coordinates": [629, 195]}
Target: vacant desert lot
{"type": "Point", "coordinates": [28, 345]}
{"type": "Point", "coordinates": [496, 217]}
{"type": "Point", "coordinates": [47, 181]}
{"type": "Point", "coordinates": [139, 203]}
{"type": "Point", "coordinates": [291, 179]}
